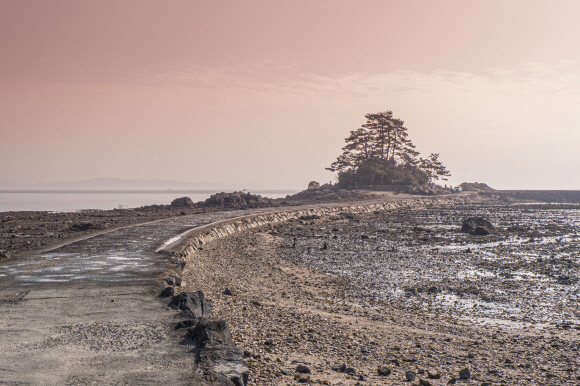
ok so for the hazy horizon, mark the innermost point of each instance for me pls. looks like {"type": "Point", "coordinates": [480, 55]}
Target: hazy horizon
{"type": "Point", "coordinates": [262, 94]}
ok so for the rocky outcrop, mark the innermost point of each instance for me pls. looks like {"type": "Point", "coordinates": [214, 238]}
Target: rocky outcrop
{"type": "Point", "coordinates": [183, 202]}
{"type": "Point", "coordinates": [218, 362]}
{"type": "Point", "coordinates": [235, 200]}
{"type": "Point", "coordinates": [477, 226]}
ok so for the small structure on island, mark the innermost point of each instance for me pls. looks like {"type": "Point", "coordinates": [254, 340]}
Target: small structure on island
{"type": "Point", "coordinates": [313, 185]}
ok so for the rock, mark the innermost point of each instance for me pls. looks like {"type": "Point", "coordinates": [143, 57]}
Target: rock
{"type": "Point", "coordinates": [465, 374]}
{"type": "Point", "coordinates": [227, 292]}
{"type": "Point", "coordinates": [235, 200]}
{"type": "Point", "coordinates": [173, 280]}
{"type": "Point", "coordinates": [87, 226]}
{"type": "Point", "coordinates": [312, 185]}
{"type": "Point", "coordinates": [384, 371]}
{"type": "Point", "coordinates": [183, 202]}
{"type": "Point", "coordinates": [186, 324]}
{"type": "Point", "coordinates": [193, 303]}
{"type": "Point", "coordinates": [303, 378]}
{"type": "Point", "coordinates": [303, 369]}
{"type": "Point", "coordinates": [226, 361]}
{"type": "Point", "coordinates": [215, 331]}
{"type": "Point", "coordinates": [424, 382]}
{"type": "Point", "coordinates": [286, 372]}
{"type": "Point", "coordinates": [433, 374]}
{"type": "Point", "coordinates": [350, 370]}
{"type": "Point", "coordinates": [4, 255]}
{"type": "Point", "coordinates": [167, 292]}
{"type": "Point", "coordinates": [410, 375]}
{"type": "Point", "coordinates": [477, 226]}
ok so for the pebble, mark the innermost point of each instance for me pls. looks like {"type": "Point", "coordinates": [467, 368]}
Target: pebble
{"type": "Point", "coordinates": [410, 375]}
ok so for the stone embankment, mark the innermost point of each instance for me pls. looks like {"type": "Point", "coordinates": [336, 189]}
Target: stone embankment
{"type": "Point", "coordinates": [195, 240]}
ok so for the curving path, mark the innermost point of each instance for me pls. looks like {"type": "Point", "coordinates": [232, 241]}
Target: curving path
{"type": "Point", "coordinates": [86, 312]}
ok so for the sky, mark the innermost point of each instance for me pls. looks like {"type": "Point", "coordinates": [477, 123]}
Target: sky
{"type": "Point", "coordinates": [261, 94]}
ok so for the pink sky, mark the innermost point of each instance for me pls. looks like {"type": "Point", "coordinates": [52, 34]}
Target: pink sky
{"type": "Point", "coordinates": [260, 94]}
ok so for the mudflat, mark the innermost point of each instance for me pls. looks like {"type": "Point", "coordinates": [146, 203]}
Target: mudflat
{"type": "Point", "coordinates": [354, 298]}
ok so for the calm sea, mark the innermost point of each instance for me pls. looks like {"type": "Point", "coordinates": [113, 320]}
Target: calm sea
{"type": "Point", "coordinates": [71, 201]}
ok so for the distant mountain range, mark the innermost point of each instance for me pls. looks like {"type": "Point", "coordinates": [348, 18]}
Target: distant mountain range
{"type": "Point", "coordinates": [109, 183]}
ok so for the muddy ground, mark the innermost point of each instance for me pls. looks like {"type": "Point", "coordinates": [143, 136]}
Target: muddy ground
{"type": "Point", "coordinates": [404, 290]}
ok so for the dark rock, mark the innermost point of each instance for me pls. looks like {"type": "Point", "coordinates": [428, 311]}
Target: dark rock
{"type": "Point", "coordinates": [470, 356]}
{"type": "Point", "coordinates": [167, 292]}
{"type": "Point", "coordinates": [4, 255]}
{"type": "Point", "coordinates": [384, 371]}
{"type": "Point", "coordinates": [303, 369]}
{"type": "Point", "coordinates": [477, 226]}
{"type": "Point", "coordinates": [364, 350]}
{"type": "Point", "coordinates": [226, 361]}
{"type": "Point", "coordinates": [183, 202]}
{"type": "Point", "coordinates": [350, 370]}
{"type": "Point", "coordinates": [215, 331]}
{"type": "Point", "coordinates": [84, 227]}
{"type": "Point", "coordinates": [465, 374]}
{"type": "Point", "coordinates": [256, 303]}
{"type": "Point", "coordinates": [410, 375]}
{"type": "Point", "coordinates": [247, 354]}
{"type": "Point", "coordinates": [193, 303]}
{"type": "Point", "coordinates": [424, 382]}
{"type": "Point", "coordinates": [186, 324]}
{"type": "Point", "coordinates": [227, 292]}
{"type": "Point", "coordinates": [235, 200]}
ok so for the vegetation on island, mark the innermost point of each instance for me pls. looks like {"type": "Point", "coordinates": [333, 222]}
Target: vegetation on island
{"type": "Point", "coordinates": [381, 153]}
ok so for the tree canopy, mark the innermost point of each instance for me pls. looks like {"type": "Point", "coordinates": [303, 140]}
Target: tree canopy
{"type": "Point", "coordinates": [381, 153]}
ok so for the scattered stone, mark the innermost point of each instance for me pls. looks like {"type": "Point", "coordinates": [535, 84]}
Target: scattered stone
{"type": "Point", "coordinates": [303, 378]}
{"type": "Point", "coordinates": [465, 374]}
{"type": "Point", "coordinates": [384, 371]}
{"type": "Point", "coordinates": [424, 382]}
{"type": "Point", "coordinates": [410, 375]}
{"type": "Point", "coordinates": [227, 292]}
{"type": "Point", "coordinates": [433, 374]}
{"type": "Point", "coordinates": [286, 372]}
{"type": "Point", "coordinates": [303, 369]}
{"type": "Point", "coordinates": [339, 368]}
{"type": "Point", "coordinates": [350, 370]}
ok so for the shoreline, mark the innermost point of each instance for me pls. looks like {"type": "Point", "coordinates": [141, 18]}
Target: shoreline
{"type": "Point", "coordinates": [284, 314]}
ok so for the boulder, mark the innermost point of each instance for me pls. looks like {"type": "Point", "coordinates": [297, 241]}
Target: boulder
{"type": "Point", "coordinates": [211, 331]}
{"type": "Point", "coordinates": [224, 361]}
{"type": "Point", "coordinates": [193, 303]}
{"type": "Point", "coordinates": [477, 226]}
{"type": "Point", "coordinates": [312, 185]}
{"type": "Point", "coordinates": [182, 202]}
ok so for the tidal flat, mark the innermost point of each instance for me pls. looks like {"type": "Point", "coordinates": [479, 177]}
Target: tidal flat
{"type": "Point", "coordinates": [370, 299]}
